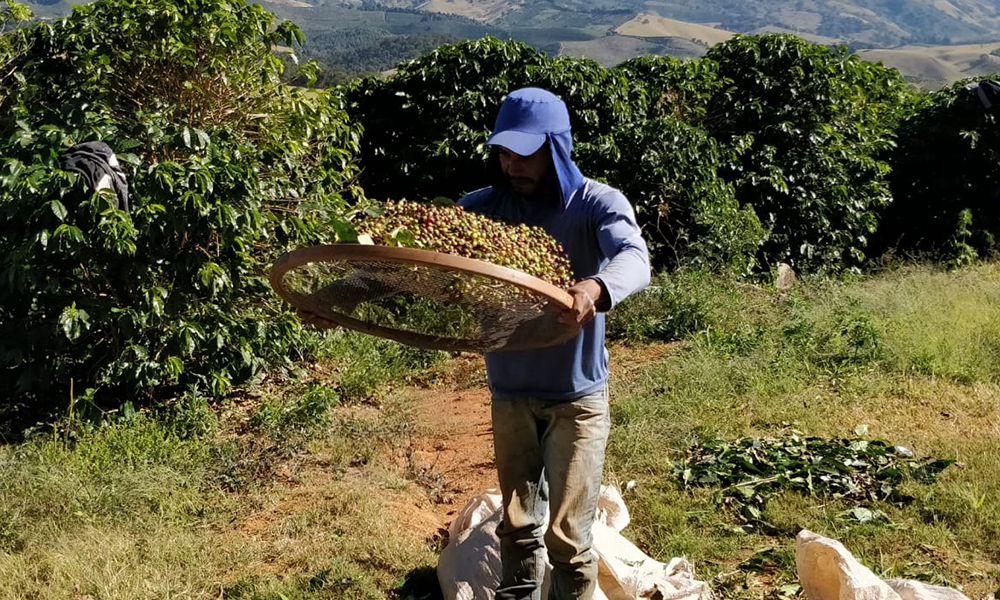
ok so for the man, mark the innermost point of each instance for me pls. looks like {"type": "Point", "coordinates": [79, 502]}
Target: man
{"type": "Point", "coordinates": [550, 406]}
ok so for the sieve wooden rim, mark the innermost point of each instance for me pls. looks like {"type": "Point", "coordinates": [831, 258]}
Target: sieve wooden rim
{"type": "Point", "coordinates": [415, 256]}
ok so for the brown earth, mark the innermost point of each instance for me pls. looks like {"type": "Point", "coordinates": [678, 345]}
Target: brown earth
{"type": "Point", "coordinates": [452, 457]}
{"type": "Point", "coordinates": [449, 460]}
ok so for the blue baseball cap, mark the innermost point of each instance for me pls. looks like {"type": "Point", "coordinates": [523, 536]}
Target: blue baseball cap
{"type": "Point", "coordinates": [526, 119]}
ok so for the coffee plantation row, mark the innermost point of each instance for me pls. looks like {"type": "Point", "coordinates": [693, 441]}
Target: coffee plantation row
{"type": "Point", "coordinates": [770, 149]}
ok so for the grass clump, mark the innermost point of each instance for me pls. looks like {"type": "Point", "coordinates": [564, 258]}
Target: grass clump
{"type": "Point", "coordinates": [368, 367]}
{"type": "Point", "coordinates": [673, 306]}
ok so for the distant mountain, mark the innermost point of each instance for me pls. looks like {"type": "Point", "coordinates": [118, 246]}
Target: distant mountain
{"type": "Point", "coordinates": [874, 23]}
{"type": "Point", "coordinates": [933, 42]}
{"type": "Point", "coordinates": [864, 23]}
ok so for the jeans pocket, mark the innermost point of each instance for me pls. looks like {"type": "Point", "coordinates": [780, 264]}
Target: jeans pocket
{"type": "Point", "coordinates": [593, 405]}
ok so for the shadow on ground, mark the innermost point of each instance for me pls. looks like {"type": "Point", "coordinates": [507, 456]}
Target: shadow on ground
{"type": "Point", "coordinates": [420, 584]}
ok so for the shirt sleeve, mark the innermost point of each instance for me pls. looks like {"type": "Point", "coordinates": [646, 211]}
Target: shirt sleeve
{"type": "Point", "coordinates": [620, 240]}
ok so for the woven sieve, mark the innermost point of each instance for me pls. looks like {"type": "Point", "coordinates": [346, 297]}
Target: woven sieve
{"type": "Point", "coordinates": [424, 299]}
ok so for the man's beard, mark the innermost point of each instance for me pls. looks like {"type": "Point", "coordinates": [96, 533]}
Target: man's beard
{"type": "Point", "coordinates": [548, 191]}
{"type": "Point", "coordinates": [524, 186]}
{"type": "Point", "coordinates": [544, 192]}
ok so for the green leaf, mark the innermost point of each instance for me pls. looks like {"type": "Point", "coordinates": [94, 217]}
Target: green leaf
{"type": "Point", "coordinates": [174, 366]}
{"type": "Point", "coordinates": [58, 209]}
{"type": "Point", "coordinates": [74, 322]}
{"type": "Point", "coordinates": [156, 297]}
{"type": "Point", "coordinates": [68, 232]}
{"type": "Point", "coordinates": [203, 139]}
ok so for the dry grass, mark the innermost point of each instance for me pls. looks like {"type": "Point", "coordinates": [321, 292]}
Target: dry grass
{"type": "Point", "coordinates": [285, 497]}
{"type": "Point", "coordinates": [937, 66]}
{"type": "Point", "coordinates": [649, 25]}
{"type": "Point", "coordinates": [929, 380]}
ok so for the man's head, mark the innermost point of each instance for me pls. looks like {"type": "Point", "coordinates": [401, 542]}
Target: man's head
{"type": "Point", "coordinates": [530, 121]}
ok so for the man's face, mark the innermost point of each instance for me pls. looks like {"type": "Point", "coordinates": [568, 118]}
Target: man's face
{"type": "Point", "coordinates": [525, 173]}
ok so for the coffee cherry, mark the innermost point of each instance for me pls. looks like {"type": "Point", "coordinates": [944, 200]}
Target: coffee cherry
{"type": "Point", "coordinates": [453, 230]}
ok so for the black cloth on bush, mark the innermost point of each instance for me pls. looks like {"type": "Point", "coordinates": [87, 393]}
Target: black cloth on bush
{"type": "Point", "coordinates": [988, 93]}
{"type": "Point", "coordinates": [99, 167]}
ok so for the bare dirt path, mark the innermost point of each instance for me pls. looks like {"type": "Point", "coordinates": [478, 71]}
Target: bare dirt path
{"type": "Point", "coordinates": [452, 453]}
{"type": "Point", "coordinates": [452, 449]}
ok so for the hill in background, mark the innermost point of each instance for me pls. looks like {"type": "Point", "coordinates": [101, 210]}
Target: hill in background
{"type": "Point", "coordinates": [932, 42]}
{"type": "Point", "coordinates": [875, 23]}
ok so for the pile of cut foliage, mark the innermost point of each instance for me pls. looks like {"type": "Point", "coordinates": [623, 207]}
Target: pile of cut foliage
{"type": "Point", "coordinates": [750, 471]}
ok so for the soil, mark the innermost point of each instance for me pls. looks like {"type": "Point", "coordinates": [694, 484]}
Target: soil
{"type": "Point", "coordinates": [452, 455]}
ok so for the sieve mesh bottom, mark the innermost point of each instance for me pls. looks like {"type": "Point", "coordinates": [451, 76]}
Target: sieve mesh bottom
{"type": "Point", "coordinates": [425, 305]}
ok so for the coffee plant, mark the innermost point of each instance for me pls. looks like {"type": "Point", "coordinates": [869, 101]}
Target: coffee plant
{"type": "Point", "coordinates": [450, 98]}
{"type": "Point", "coordinates": [689, 215]}
{"type": "Point", "coordinates": [13, 41]}
{"type": "Point", "coordinates": [425, 127]}
{"type": "Point", "coordinates": [813, 126]}
{"type": "Point", "coordinates": [664, 86]}
{"type": "Point", "coordinates": [227, 168]}
{"type": "Point", "coordinates": [946, 179]}
{"type": "Point", "coordinates": [802, 137]}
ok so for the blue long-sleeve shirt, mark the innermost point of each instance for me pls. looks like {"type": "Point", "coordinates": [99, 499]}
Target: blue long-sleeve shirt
{"type": "Point", "coordinates": [598, 231]}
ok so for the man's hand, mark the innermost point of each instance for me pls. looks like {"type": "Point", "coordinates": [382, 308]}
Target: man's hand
{"type": "Point", "coordinates": [585, 297]}
{"type": "Point", "coordinates": [315, 320]}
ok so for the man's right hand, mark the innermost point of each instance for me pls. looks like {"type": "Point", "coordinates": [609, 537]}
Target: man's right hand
{"type": "Point", "coordinates": [315, 320]}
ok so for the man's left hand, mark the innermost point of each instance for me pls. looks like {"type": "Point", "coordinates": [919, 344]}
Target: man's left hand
{"type": "Point", "coordinates": [585, 295]}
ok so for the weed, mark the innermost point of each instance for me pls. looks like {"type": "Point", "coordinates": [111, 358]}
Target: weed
{"type": "Point", "coordinates": [368, 367]}
{"type": "Point", "coordinates": [672, 307]}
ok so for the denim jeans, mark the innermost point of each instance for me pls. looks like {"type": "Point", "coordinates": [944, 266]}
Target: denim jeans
{"type": "Point", "coordinates": [549, 453]}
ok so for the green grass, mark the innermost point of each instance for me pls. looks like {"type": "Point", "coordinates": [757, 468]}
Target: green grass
{"type": "Point", "coordinates": [367, 368]}
{"type": "Point", "coordinates": [911, 354]}
{"type": "Point", "coordinates": [277, 494]}
{"type": "Point", "coordinates": [297, 490]}
{"type": "Point", "coordinates": [132, 510]}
